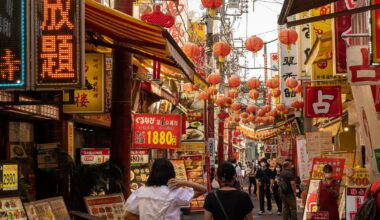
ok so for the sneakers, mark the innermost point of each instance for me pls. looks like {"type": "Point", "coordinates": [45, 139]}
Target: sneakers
{"type": "Point", "coordinates": [261, 212]}
{"type": "Point", "coordinates": [278, 213]}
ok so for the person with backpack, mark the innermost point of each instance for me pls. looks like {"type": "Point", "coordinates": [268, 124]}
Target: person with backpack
{"type": "Point", "coordinates": [328, 194]}
{"type": "Point", "coordinates": [276, 190]}
{"type": "Point", "coordinates": [227, 203]}
{"type": "Point", "coordinates": [265, 179]}
{"type": "Point", "coordinates": [370, 209]}
{"type": "Point", "coordinates": [287, 189]}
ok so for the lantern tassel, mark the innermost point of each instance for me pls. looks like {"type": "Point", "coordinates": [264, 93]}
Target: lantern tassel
{"type": "Point", "coordinates": [212, 12]}
{"type": "Point", "coordinates": [221, 59]}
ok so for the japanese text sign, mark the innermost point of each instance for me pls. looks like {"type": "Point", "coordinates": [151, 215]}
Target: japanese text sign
{"type": "Point", "coordinates": [94, 155]}
{"type": "Point", "coordinates": [156, 131]}
{"type": "Point", "coordinates": [357, 177]}
{"type": "Point", "coordinates": [91, 99]}
{"type": "Point", "coordinates": [58, 35]}
{"type": "Point", "coordinates": [354, 199]}
{"type": "Point", "coordinates": [12, 43]}
{"type": "Point", "coordinates": [323, 101]}
{"type": "Point", "coordinates": [321, 215]}
{"type": "Point", "coordinates": [303, 45]}
{"type": "Point", "coordinates": [375, 33]}
{"type": "Point", "coordinates": [9, 177]}
{"type": "Point", "coordinates": [270, 148]}
{"type": "Point", "coordinates": [336, 163]}
{"type": "Point", "coordinates": [140, 156]}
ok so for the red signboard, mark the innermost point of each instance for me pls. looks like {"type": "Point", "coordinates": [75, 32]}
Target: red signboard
{"type": "Point", "coordinates": [336, 163]}
{"type": "Point", "coordinates": [342, 26]}
{"type": "Point", "coordinates": [156, 131]}
{"type": "Point", "coordinates": [58, 53]}
{"type": "Point", "coordinates": [323, 101]}
{"type": "Point", "coordinates": [94, 155]}
{"type": "Point", "coordinates": [375, 33]}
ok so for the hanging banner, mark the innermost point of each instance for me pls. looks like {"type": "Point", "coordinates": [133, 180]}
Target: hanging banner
{"type": "Point", "coordinates": [359, 70]}
{"type": "Point", "coordinates": [369, 127]}
{"type": "Point", "coordinates": [288, 69]}
{"type": "Point", "coordinates": [284, 147]}
{"type": "Point", "coordinates": [156, 131]}
{"type": "Point", "coordinates": [70, 140]}
{"type": "Point", "coordinates": [304, 47]}
{"type": "Point", "coordinates": [91, 99]}
{"type": "Point", "coordinates": [354, 199]}
{"type": "Point", "coordinates": [303, 162]}
{"type": "Point", "coordinates": [13, 46]}
{"type": "Point", "coordinates": [319, 163]}
{"type": "Point", "coordinates": [375, 33]}
{"type": "Point", "coordinates": [342, 25]}
{"type": "Point", "coordinates": [323, 101]}
{"type": "Point", "coordinates": [58, 44]}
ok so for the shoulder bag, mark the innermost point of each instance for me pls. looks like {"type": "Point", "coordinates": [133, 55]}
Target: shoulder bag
{"type": "Point", "coordinates": [221, 206]}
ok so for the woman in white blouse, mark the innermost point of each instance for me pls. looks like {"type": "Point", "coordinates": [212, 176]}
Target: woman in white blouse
{"type": "Point", "coordinates": [163, 196]}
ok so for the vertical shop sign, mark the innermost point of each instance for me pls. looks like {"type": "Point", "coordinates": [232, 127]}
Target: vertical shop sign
{"type": "Point", "coordinates": [288, 69]}
{"type": "Point", "coordinates": [58, 44]}
{"type": "Point", "coordinates": [375, 27]}
{"type": "Point", "coordinates": [323, 101]}
{"type": "Point", "coordinates": [211, 150]}
{"type": "Point", "coordinates": [369, 127]}
{"type": "Point", "coordinates": [108, 84]}
{"type": "Point", "coordinates": [359, 70]}
{"type": "Point", "coordinates": [274, 64]}
{"type": "Point", "coordinates": [304, 165]}
{"type": "Point", "coordinates": [91, 99]}
{"type": "Point", "coordinates": [323, 68]}
{"type": "Point", "coordinates": [342, 25]}
{"type": "Point", "coordinates": [70, 139]}
{"type": "Point", "coordinates": [354, 199]}
{"type": "Point", "coordinates": [304, 47]}
{"type": "Point", "coordinates": [13, 46]}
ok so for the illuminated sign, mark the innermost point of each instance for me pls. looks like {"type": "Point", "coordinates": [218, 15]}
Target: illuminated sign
{"type": "Point", "coordinates": [58, 54]}
{"type": "Point", "coordinates": [12, 43]}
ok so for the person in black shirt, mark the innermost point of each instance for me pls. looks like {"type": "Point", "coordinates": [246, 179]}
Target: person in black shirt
{"type": "Point", "coordinates": [236, 204]}
{"type": "Point", "coordinates": [287, 188]}
{"type": "Point", "coordinates": [265, 179]}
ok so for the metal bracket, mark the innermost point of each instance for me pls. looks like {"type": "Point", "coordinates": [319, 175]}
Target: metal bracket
{"type": "Point", "coordinates": [44, 100]}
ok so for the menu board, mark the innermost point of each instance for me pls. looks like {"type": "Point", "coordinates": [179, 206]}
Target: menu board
{"type": "Point", "coordinates": [194, 170]}
{"type": "Point", "coordinates": [47, 209]}
{"type": "Point", "coordinates": [108, 207]}
{"type": "Point", "coordinates": [9, 177]}
{"type": "Point", "coordinates": [180, 170]}
{"type": "Point", "coordinates": [11, 209]}
{"type": "Point", "coordinates": [139, 176]}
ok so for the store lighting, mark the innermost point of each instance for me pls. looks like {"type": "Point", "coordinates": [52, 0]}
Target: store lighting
{"type": "Point", "coordinates": [346, 129]}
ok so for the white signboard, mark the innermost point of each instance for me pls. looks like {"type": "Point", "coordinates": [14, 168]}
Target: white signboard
{"type": "Point", "coordinates": [91, 156]}
{"type": "Point", "coordinates": [359, 70]}
{"type": "Point", "coordinates": [211, 150]}
{"type": "Point", "coordinates": [139, 156]}
{"type": "Point", "coordinates": [303, 161]}
{"type": "Point", "coordinates": [354, 199]}
{"type": "Point", "coordinates": [288, 69]}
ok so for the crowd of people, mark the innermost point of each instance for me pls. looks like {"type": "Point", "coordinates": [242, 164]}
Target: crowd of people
{"type": "Point", "coordinates": [163, 196]}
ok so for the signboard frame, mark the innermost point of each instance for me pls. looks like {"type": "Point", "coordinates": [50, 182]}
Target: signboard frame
{"type": "Point", "coordinates": [11, 192]}
{"type": "Point", "coordinates": [80, 49]}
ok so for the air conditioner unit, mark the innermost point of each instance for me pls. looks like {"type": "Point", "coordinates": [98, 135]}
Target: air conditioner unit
{"type": "Point", "coordinates": [233, 3]}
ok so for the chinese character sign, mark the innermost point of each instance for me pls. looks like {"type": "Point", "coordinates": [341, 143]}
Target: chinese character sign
{"type": "Point", "coordinates": [336, 163]}
{"type": "Point", "coordinates": [12, 43]}
{"type": "Point", "coordinates": [304, 46]}
{"type": "Point", "coordinates": [360, 72]}
{"type": "Point", "coordinates": [288, 69]}
{"type": "Point", "coordinates": [91, 99]}
{"type": "Point", "coordinates": [58, 52]}
{"type": "Point", "coordinates": [156, 131]}
{"type": "Point", "coordinates": [354, 199]}
{"type": "Point", "coordinates": [323, 101]}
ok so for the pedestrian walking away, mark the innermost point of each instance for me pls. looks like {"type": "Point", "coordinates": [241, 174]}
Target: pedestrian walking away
{"type": "Point", "coordinates": [287, 188]}
{"type": "Point", "coordinates": [265, 179]}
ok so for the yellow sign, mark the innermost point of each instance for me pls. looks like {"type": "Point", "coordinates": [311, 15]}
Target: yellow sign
{"type": "Point", "coordinates": [10, 177]}
{"type": "Point", "coordinates": [197, 32]}
{"type": "Point", "coordinates": [91, 99]}
{"type": "Point", "coordinates": [192, 147]}
{"type": "Point", "coordinates": [357, 177]}
{"type": "Point", "coordinates": [70, 139]}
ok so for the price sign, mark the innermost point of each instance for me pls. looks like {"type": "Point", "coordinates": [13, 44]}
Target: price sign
{"type": "Point", "coordinates": [336, 163]}
{"type": "Point", "coordinates": [357, 177]}
{"type": "Point", "coordinates": [156, 131]}
{"type": "Point", "coordinates": [94, 155]}
{"type": "Point", "coordinates": [9, 177]}
{"type": "Point", "coordinates": [139, 156]}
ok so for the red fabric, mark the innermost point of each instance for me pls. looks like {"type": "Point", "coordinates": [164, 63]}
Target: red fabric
{"type": "Point", "coordinates": [375, 186]}
{"type": "Point", "coordinates": [328, 199]}
{"type": "Point", "coordinates": [376, 96]}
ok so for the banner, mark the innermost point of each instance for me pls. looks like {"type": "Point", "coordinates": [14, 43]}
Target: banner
{"type": "Point", "coordinates": [288, 69]}
{"type": "Point", "coordinates": [323, 101]}
{"type": "Point", "coordinates": [304, 46]}
{"type": "Point", "coordinates": [359, 70]}
{"type": "Point", "coordinates": [303, 161]}
{"type": "Point", "coordinates": [354, 199]}
{"type": "Point", "coordinates": [274, 64]}
{"type": "Point", "coordinates": [311, 200]}
{"type": "Point", "coordinates": [192, 147]}
{"type": "Point", "coordinates": [284, 147]}
{"type": "Point", "coordinates": [369, 128]}
{"type": "Point", "coordinates": [197, 32]}
{"type": "Point", "coordinates": [375, 33]}
{"type": "Point", "coordinates": [319, 163]}
{"type": "Point", "coordinates": [91, 99]}
{"type": "Point", "coordinates": [156, 131]}
{"type": "Point", "coordinates": [211, 150]}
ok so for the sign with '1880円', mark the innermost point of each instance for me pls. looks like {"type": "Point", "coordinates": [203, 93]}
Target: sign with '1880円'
{"type": "Point", "coordinates": [58, 56]}
{"type": "Point", "coordinates": [156, 131]}
{"type": "Point", "coordinates": [12, 43]}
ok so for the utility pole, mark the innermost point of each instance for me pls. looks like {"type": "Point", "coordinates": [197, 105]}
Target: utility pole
{"type": "Point", "coordinates": [121, 114]}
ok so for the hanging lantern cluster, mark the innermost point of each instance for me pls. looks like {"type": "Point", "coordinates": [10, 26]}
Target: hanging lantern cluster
{"type": "Point", "coordinates": [203, 96]}
{"type": "Point", "coordinates": [222, 115]}
{"type": "Point", "coordinates": [256, 136]}
{"type": "Point", "coordinates": [297, 105]}
{"type": "Point", "coordinates": [236, 107]}
{"type": "Point", "coordinates": [234, 82]}
{"type": "Point", "coordinates": [212, 5]}
{"type": "Point", "coordinates": [191, 50]}
{"type": "Point", "coordinates": [220, 101]}
{"type": "Point", "coordinates": [288, 37]}
{"type": "Point", "coordinates": [221, 50]}
{"type": "Point", "coordinates": [228, 101]}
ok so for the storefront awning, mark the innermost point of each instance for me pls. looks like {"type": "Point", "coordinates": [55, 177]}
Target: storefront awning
{"type": "Point", "coordinates": [138, 37]}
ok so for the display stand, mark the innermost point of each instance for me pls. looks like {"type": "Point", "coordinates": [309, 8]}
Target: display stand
{"type": "Point", "coordinates": [108, 207]}
{"type": "Point", "coordinates": [47, 209]}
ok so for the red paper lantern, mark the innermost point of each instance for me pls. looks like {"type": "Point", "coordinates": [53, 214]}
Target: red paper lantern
{"type": "Point", "coordinates": [212, 5]}
{"type": "Point", "coordinates": [265, 120]}
{"type": "Point", "coordinates": [236, 107]}
{"type": "Point", "coordinates": [221, 50]}
{"type": "Point", "coordinates": [253, 83]}
{"type": "Point", "coordinates": [244, 115]}
{"type": "Point", "coordinates": [212, 91]}
{"type": "Point", "coordinates": [214, 79]}
{"type": "Point", "coordinates": [232, 94]}
{"type": "Point", "coordinates": [273, 113]}
{"type": "Point", "coordinates": [271, 119]}
{"type": "Point", "coordinates": [281, 107]}
{"type": "Point", "coordinates": [254, 44]}
{"type": "Point", "coordinates": [236, 133]}
{"type": "Point", "coordinates": [288, 37]}
{"type": "Point", "coordinates": [266, 108]}
{"type": "Point", "coordinates": [301, 104]}
{"type": "Point", "coordinates": [234, 81]}
{"type": "Point", "coordinates": [298, 89]}
{"type": "Point", "coordinates": [245, 121]}
{"type": "Point", "coordinates": [251, 118]}
{"type": "Point", "coordinates": [228, 101]}
{"type": "Point", "coordinates": [294, 104]}
{"type": "Point", "coordinates": [203, 96]}
{"type": "Point", "coordinates": [291, 83]}
{"type": "Point", "coordinates": [188, 87]}
{"type": "Point", "coordinates": [286, 111]}
{"type": "Point", "coordinates": [223, 115]}
{"type": "Point", "coordinates": [275, 83]}
{"type": "Point", "coordinates": [253, 94]}
{"type": "Point", "coordinates": [158, 18]}
{"type": "Point", "coordinates": [191, 50]}
{"type": "Point", "coordinates": [260, 113]}
{"type": "Point", "coordinates": [220, 101]}
{"type": "Point", "coordinates": [276, 92]}
{"type": "Point", "coordinates": [251, 109]}
{"type": "Point", "coordinates": [258, 120]}
{"type": "Point", "coordinates": [237, 119]}
{"type": "Point", "coordinates": [268, 83]}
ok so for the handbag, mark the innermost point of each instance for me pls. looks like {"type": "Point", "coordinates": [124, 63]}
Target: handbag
{"type": "Point", "coordinates": [221, 206]}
